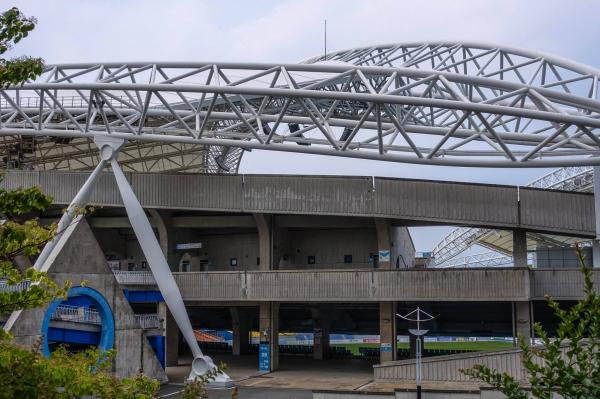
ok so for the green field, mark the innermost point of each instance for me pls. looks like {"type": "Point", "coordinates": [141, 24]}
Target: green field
{"type": "Point", "coordinates": [472, 346]}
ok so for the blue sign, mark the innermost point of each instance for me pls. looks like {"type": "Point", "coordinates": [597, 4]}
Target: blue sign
{"type": "Point", "coordinates": [264, 358]}
{"type": "Point", "coordinates": [386, 347]}
{"type": "Point", "coordinates": [384, 255]}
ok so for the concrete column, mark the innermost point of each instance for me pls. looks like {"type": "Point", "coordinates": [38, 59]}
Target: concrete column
{"type": "Point", "coordinates": [265, 247]}
{"type": "Point", "coordinates": [519, 248]}
{"type": "Point", "coordinates": [595, 253]}
{"type": "Point", "coordinates": [269, 331]}
{"type": "Point", "coordinates": [522, 320]}
{"type": "Point", "coordinates": [596, 242]}
{"type": "Point", "coordinates": [171, 337]}
{"type": "Point", "coordinates": [384, 242]}
{"type": "Point", "coordinates": [163, 222]}
{"type": "Point", "coordinates": [321, 330]}
{"type": "Point", "coordinates": [387, 331]}
{"type": "Point", "coordinates": [241, 331]}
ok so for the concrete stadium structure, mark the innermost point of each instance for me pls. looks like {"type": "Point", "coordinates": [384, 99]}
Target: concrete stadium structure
{"type": "Point", "coordinates": [318, 254]}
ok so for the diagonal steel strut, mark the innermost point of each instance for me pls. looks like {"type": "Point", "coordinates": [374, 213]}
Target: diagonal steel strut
{"type": "Point", "coordinates": [157, 261]}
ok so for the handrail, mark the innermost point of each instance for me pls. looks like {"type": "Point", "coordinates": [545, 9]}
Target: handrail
{"type": "Point", "coordinates": [148, 321]}
{"type": "Point", "coordinates": [21, 286]}
{"type": "Point", "coordinates": [134, 277]}
{"type": "Point", "coordinates": [76, 314]}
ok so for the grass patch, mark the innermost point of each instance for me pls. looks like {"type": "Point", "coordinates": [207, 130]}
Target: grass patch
{"type": "Point", "coordinates": [466, 345]}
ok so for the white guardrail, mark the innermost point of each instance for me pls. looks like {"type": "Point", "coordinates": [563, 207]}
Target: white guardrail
{"type": "Point", "coordinates": [23, 285]}
{"type": "Point", "coordinates": [134, 277]}
{"type": "Point", "coordinates": [148, 321]}
{"type": "Point", "coordinates": [80, 314]}
{"type": "Point", "coordinates": [76, 314]}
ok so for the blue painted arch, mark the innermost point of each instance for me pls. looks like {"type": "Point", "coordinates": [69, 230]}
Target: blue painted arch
{"type": "Point", "coordinates": [107, 333]}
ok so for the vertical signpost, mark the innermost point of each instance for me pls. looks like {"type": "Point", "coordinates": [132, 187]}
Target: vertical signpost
{"type": "Point", "coordinates": [418, 316]}
{"type": "Point", "coordinates": [264, 358]}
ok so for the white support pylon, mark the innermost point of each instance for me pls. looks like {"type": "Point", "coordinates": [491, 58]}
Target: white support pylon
{"type": "Point", "coordinates": [109, 148]}
{"type": "Point", "coordinates": [158, 263]}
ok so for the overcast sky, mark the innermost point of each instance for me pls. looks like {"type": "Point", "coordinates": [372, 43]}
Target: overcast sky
{"type": "Point", "coordinates": [290, 31]}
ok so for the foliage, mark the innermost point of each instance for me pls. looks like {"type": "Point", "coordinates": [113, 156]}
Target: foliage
{"type": "Point", "coordinates": [20, 239]}
{"type": "Point", "coordinates": [25, 373]}
{"type": "Point", "coordinates": [15, 26]}
{"type": "Point", "coordinates": [569, 363]}
{"type": "Point", "coordinates": [197, 389]}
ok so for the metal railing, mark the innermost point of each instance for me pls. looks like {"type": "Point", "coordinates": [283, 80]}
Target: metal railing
{"type": "Point", "coordinates": [5, 287]}
{"type": "Point", "coordinates": [65, 101]}
{"type": "Point", "coordinates": [134, 277]}
{"type": "Point", "coordinates": [76, 314]}
{"type": "Point", "coordinates": [148, 321]}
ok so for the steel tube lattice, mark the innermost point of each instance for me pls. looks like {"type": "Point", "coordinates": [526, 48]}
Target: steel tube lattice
{"type": "Point", "coordinates": [459, 104]}
{"type": "Point", "coordinates": [579, 179]}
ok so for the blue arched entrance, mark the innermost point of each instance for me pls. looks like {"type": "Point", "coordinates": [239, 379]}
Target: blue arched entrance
{"type": "Point", "coordinates": [83, 295]}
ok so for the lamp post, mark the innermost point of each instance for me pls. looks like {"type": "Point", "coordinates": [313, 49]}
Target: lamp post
{"type": "Point", "coordinates": [417, 316]}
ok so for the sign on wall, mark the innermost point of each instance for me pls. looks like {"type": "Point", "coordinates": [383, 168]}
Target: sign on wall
{"type": "Point", "coordinates": [384, 255]}
{"type": "Point", "coordinates": [189, 245]}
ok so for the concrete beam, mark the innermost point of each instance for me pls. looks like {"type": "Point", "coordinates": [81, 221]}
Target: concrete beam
{"type": "Point", "coordinates": [323, 222]}
{"type": "Point", "coordinates": [478, 205]}
{"type": "Point", "coordinates": [183, 222]}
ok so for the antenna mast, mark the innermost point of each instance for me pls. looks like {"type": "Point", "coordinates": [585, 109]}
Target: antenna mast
{"type": "Point", "coordinates": [325, 46]}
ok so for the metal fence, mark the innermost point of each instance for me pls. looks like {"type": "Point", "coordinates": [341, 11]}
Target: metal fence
{"type": "Point", "coordinates": [66, 101]}
{"type": "Point", "coordinates": [76, 314]}
{"type": "Point", "coordinates": [148, 321]}
{"type": "Point", "coordinates": [5, 287]}
{"type": "Point", "coordinates": [134, 277]}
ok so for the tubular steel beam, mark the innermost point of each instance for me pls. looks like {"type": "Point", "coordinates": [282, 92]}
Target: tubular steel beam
{"type": "Point", "coordinates": [455, 104]}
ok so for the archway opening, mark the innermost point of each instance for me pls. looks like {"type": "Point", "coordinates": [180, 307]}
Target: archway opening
{"type": "Point", "coordinates": [81, 321]}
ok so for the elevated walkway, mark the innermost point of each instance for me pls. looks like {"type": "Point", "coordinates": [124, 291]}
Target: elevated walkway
{"type": "Point", "coordinates": [422, 201]}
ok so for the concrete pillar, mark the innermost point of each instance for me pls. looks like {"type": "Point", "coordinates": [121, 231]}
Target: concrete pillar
{"type": "Point", "coordinates": [522, 320]}
{"type": "Point", "coordinates": [265, 242]}
{"type": "Point", "coordinates": [596, 242]}
{"type": "Point", "coordinates": [241, 331]}
{"type": "Point", "coordinates": [595, 253]}
{"type": "Point", "coordinates": [269, 331]}
{"type": "Point", "coordinates": [321, 330]}
{"type": "Point", "coordinates": [519, 248]}
{"type": "Point", "coordinates": [387, 331]}
{"type": "Point", "coordinates": [163, 222]}
{"type": "Point", "coordinates": [171, 336]}
{"type": "Point", "coordinates": [384, 242]}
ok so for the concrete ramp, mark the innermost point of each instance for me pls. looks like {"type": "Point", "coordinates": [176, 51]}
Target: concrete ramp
{"type": "Point", "coordinates": [447, 368]}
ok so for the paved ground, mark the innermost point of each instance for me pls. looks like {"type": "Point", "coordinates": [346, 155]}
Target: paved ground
{"type": "Point", "coordinates": [295, 379]}
{"type": "Point", "coordinates": [173, 392]}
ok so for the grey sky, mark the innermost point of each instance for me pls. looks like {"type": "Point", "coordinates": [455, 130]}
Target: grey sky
{"type": "Point", "coordinates": [289, 31]}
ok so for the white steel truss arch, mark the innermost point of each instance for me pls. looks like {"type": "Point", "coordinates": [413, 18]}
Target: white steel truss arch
{"type": "Point", "coordinates": [454, 104]}
{"type": "Point", "coordinates": [486, 259]}
{"type": "Point", "coordinates": [579, 179]}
